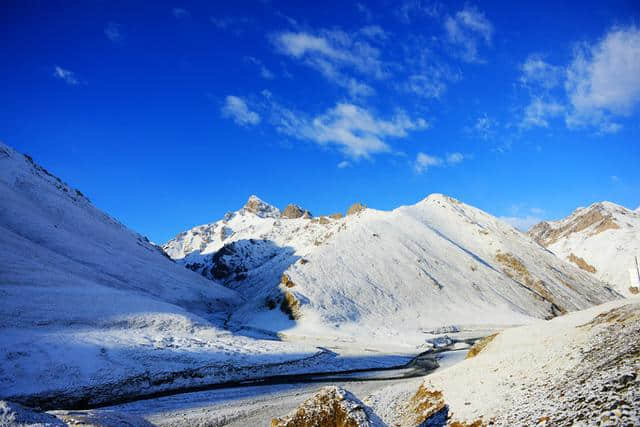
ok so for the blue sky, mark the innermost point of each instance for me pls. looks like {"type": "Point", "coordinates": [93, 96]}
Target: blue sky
{"type": "Point", "coordinates": [169, 114]}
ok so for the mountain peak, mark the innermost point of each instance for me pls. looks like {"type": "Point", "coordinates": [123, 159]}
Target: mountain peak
{"type": "Point", "coordinates": [260, 208]}
{"type": "Point", "coordinates": [294, 211]}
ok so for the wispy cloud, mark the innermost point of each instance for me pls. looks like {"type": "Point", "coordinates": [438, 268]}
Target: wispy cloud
{"type": "Point", "coordinates": [68, 76]}
{"type": "Point", "coordinates": [424, 162]}
{"type": "Point", "coordinates": [236, 25]}
{"type": "Point", "coordinates": [536, 72]}
{"type": "Point", "coordinates": [540, 111]}
{"type": "Point", "coordinates": [484, 127]}
{"type": "Point", "coordinates": [467, 29]}
{"type": "Point", "coordinates": [237, 109]}
{"type": "Point", "coordinates": [411, 10]}
{"type": "Point", "coordinates": [334, 54]}
{"type": "Point", "coordinates": [114, 32]}
{"type": "Point", "coordinates": [343, 164]}
{"type": "Point", "coordinates": [355, 130]}
{"type": "Point", "coordinates": [180, 13]}
{"type": "Point", "coordinates": [265, 73]}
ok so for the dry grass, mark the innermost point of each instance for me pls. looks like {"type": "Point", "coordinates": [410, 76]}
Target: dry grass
{"type": "Point", "coordinates": [607, 224]}
{"type": "Point", "coordinates": [580, 262]}
{"type": "Point", "coordinates": [480, 345]}
{"type": "Point", "coordinates": [290, 306]}
{"type": "Point", "coordinates": [355, 208]}
{"type": "Point", "coordinates": [423, 405]}
{"type": "Point", "coordinates": [286, 281]}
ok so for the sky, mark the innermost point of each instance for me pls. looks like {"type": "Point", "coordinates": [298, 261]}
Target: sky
{"type": "Point", "coordinates": [169, 114]}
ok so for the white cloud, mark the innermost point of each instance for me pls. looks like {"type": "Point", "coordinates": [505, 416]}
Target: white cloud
{"type": "Point", "coordinates": [237, 109]}
{"type": "Point", "coordinates": [180, 13]}
{"type": "Point", "coordinates": [455, 158]}
{"type": "Point", "coordinates": [537, 211]}
{"type": "Point", "coordinates": [69, 77]}
{"type": "Point", "coordinates": [467, 28]}
{"type": "Point", "coordinates": [334, 53]}
{"type": "Point", "coordinates": [425, 161]}
{"type": "Point", "coordinates": [539, 111]}
{"type": "Point", "coordinates": [521, 223]}
{"type": "Point", "coordinates": [343, 164]}
{"type": "Point", "coordinates": [539, 73]}
{"type": "Point", "coordinates": [354, 129]}
{"type": "Point", "coordinates": [606, 76]}
{"type": "Point", "coordinates": [114, 32]}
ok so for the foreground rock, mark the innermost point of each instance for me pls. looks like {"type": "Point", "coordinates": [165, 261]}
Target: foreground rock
{"type": "Point", "coordinates": [330, 407]}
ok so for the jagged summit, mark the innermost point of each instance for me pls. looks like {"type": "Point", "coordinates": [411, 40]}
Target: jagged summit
{"type": "Point", "coordinates": [293, 211]}
{"type": "Point", "coordinates": [258, 207]}
{"type": "Point", "coordinates": [602, 239]}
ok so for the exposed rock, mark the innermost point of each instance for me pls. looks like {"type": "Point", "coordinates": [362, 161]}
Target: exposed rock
{"type": "Point", "coordinates": [262, 209]}
{"type": "Point", "coordinates": [294, 211]}
{"type": "Point", "coordinates": [330, 407]}
{"type": "Point", "coordinates": [355, 208]}
{"type": "Point", "coordinates": [596, 215]}
{"type": "Point", "coordinates": [515, 269]}
{"type": "Point", "coordinates": [580, 262]}
{"type": "Point", "coordinates": [336, 215]}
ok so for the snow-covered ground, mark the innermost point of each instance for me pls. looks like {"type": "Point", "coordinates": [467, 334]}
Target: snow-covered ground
{"type": "Point", "coordinates": [582, 368]}
{"type": "Point", "coordinates": [604, 239]}
{"type": "Point", "coordinates": [91, 311]}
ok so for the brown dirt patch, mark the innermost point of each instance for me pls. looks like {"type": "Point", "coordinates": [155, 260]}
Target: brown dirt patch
{"type": "Point", "coordinates": [480, 345]}
{"type": "Point", "coordinates": [580, 262]}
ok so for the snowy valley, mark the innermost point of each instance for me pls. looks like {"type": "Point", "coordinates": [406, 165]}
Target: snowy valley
{"type": "Point", "coordinates": [94, 314]}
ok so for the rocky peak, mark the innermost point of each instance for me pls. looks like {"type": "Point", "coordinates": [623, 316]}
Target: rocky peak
{"type": "Point", "coordinates": [355, 208]}
{"type": "Point", "coordinates": [294, 211]}
{"type": "Point", "coordinates": [596, 218]}
{"type": "Point", "coordinates": [260, 208]}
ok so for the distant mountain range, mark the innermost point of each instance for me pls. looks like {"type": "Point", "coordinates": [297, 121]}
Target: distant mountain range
{"type": "Point", "coordinates": [375, 275]}
{"type": "Point", "coordinates": [602, 239]}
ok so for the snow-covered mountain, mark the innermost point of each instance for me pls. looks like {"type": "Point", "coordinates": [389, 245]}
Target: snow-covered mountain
{"type": "Point", "coordinates": [383, 276]}
{"type": "Point", "coordinates": [602, 239]}
{"type": "Point", "coordinates": [91, 311]}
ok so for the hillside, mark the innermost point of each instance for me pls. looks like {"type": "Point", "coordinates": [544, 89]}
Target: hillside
{"type": "Point", "coordinates": [91, 311]}
{"type": "Point", "coordinates": [602, 239]}
{"type": "Point", "coordinates": [383, 277]}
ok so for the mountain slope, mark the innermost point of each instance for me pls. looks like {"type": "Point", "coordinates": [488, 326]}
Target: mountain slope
{"type": "Point", "coordinates": [603, 239]}
{"type": "Point", "coordinates": [384, 276]}
{"type": "Point", "coordinates": [91, 311]}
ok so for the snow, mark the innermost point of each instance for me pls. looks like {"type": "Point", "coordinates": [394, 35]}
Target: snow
{"type": "Point", "coordinates": [612, 252]}
{"type": "Point", "coordinates": [383, 278]}
{"type": "Point", "coordinates": [91, 308]}
{"type": "Point", "coordinates": [579, 366]}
